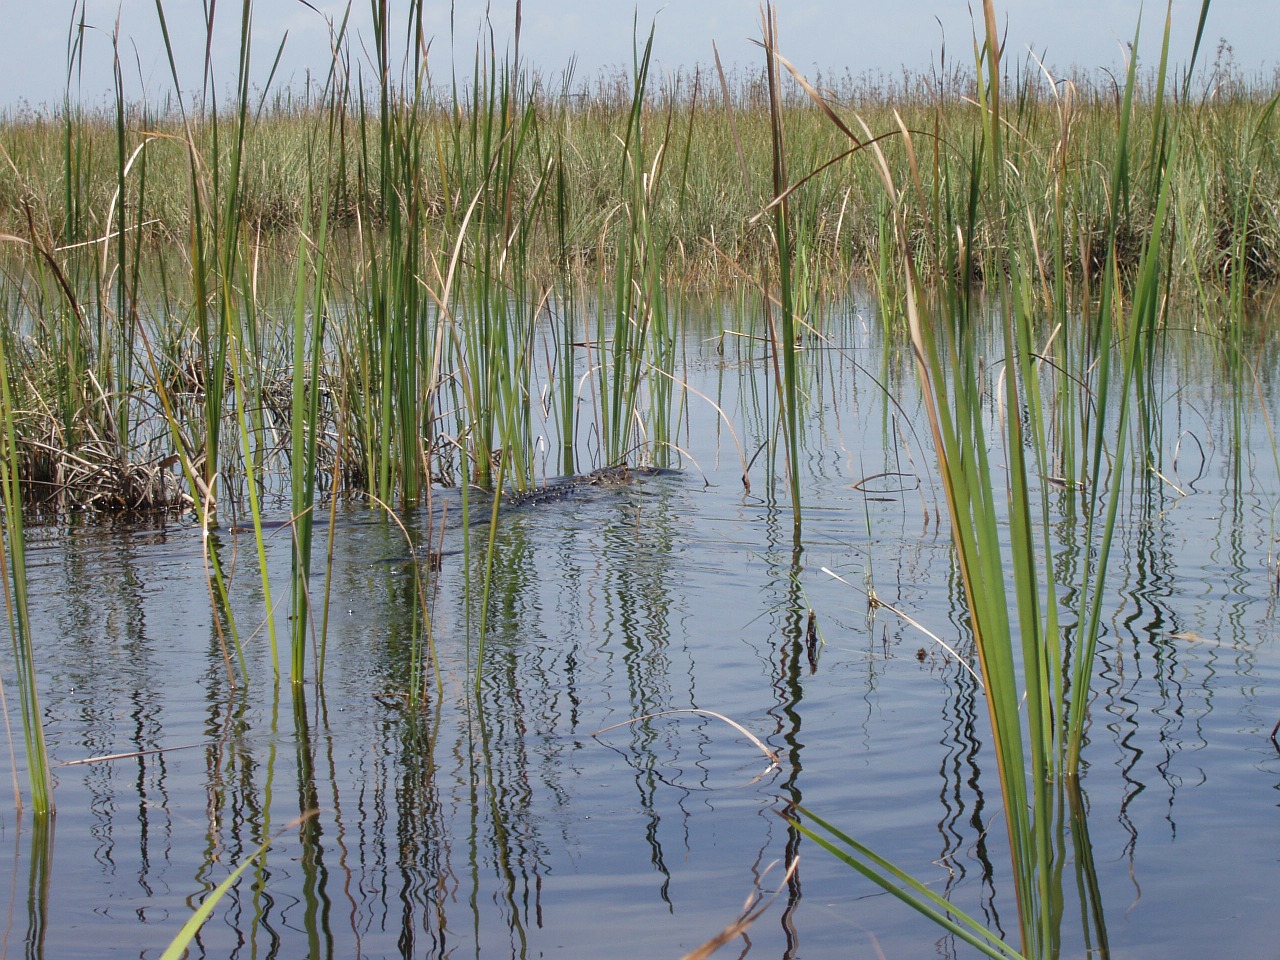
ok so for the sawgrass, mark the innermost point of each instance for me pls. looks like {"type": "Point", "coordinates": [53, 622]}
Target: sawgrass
{"type": "Point", "coordinates": [65, 164]}
{"type": "Point", "coordinates": [1036, 658]}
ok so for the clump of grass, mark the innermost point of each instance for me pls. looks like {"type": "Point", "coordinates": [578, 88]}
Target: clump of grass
{"type": "Point", "coordinates": [1036, 667]}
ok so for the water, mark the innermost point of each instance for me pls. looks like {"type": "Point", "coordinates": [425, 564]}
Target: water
{"type": "Point", "coordinates": [502, 824]}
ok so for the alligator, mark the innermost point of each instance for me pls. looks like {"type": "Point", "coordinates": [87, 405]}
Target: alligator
{"type": "Point", "coordinates": [554, 490]}
{"type": "Point", "coordinates": [565, 488]}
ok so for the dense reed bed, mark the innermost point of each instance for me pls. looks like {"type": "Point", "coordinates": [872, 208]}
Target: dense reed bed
{"type": "Point", "coordinates": [63, 163]}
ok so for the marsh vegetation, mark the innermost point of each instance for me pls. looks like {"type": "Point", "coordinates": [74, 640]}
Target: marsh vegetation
{"type": "Point", "coordinates": [387, 465]}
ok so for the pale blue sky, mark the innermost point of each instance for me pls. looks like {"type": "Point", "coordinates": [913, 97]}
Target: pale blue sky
{"type": "Point", "coordinates": [830, 35]}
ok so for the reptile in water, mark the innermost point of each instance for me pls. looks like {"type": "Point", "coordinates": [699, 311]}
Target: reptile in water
{"type": "Point", "coordinates": [564, 488]}
{"type": "Point", "coordinates": [556, 490]}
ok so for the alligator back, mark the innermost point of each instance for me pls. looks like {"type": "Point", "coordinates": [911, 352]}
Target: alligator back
{"type": "Point", "coordinates": [566, 488]}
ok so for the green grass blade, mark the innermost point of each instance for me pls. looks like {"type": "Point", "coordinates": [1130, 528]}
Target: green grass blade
{"type": "Point", "coordinates": [904, 887]}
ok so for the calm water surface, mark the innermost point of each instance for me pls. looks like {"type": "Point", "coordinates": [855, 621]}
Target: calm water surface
{"type": "Point", "coordinates": [499, 825]}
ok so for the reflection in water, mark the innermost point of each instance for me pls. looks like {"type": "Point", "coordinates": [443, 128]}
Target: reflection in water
{"type": "Point", "coordinates": [237, 816]}
{"type": "Point", "coordinates": [789, 658]}
{"type": "Point", "coordinates": [315, 895]}
{"type": "Point", "coordinates": [961, 791]}
{"type": "Point", "coordinates": [636, 603]}
{"type": "Point", "coordinates": [1088, 890]}
{"type": "Point", "coordinates": [41, 909]}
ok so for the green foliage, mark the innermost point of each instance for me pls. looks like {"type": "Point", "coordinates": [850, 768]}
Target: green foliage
{"type": "Point", "coordinates": [439, 235]}
{"type": "Point", "coordinates": [13, 574]}
{"type": "Point", "coordinates": [1036, 669]}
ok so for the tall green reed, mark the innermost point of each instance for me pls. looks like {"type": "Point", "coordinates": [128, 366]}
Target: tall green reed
{"type": "Point", "coordinates": [1036, 669]}
{"type": "Point", "coordinates": [638, 302]}
{"type": "Point", "coordinates": [391, 157]}
{"type": "Point", "coordinates": [213, 254]}
{"type": "Point", "coordinates": [13, 571]}
{"type": "Point", "coordinates": [492, 317]}
{"type": "Point", "coordinates": [305, 428]}
{"type": "Point", "coordinates": [75, 155]}
{"type": "Point", "coordinates": [782, 335]}
{"type": "Point", "coordinates": [229, 347]}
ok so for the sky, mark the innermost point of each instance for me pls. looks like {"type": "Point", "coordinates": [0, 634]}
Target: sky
{"type": "Point", "coordinates": [826, 36]}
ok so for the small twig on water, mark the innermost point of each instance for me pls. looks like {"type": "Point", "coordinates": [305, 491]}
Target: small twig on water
{"type": "Point", "coordinates": [877, 602]}
{"type": "Point", "coordinates": [760, 744]}
{"type": "Point", "coordinates": [130, 755]}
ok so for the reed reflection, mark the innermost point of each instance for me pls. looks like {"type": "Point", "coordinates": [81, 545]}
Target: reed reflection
{"type": "Point", "coordinates": [40, 908]}
{"type": "Point", "coordinates": [317, 906]}
{"type": "Point", "coordinates": [789, 660]}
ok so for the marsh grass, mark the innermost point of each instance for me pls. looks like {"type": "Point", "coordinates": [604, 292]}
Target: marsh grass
{"type": "Point", "coordinates": [464, 218]}
{"type": "Point", "coordinates": [13, 573]}
{"type": "Point", "coordinates": [65, 163]}
{"type": "Point", "coordinates": [1037, 660]}
{"type": "Point", "coordinates": [482, 285]}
